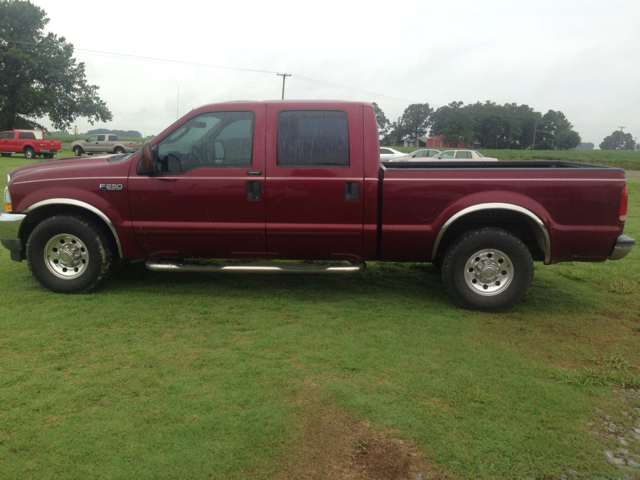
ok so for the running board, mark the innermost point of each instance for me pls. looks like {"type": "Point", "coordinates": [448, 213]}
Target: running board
{"type": "Point", "coordinates": [188, 267]}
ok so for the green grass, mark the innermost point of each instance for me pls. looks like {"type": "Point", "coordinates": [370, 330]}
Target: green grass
{"type": "Point", "coordinates": [199, 376]}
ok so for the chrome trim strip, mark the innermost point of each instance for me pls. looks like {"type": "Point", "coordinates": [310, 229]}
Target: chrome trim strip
{"type": "Point", "coordinates": [184, 267]}
{"type": "Point", "coordinates": [101, 178]}
{"type": "Point", "coordinates": [544, 242]}
{"type": "Point", "coordinates": [86, 206]}
{"type": "Point", "coordinates": [621, 247]}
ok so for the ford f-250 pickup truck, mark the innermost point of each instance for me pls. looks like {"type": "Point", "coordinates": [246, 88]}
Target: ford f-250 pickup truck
{"type": "Point", "coordinates": [302, 180]}
{"type": "Point", "coordinates": [29, 142]}
{"type": "Point", "coordinates": [103, 143]}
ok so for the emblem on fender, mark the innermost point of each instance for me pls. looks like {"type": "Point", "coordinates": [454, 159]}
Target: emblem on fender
{"type": "Point", "coordinates": [110, 186]}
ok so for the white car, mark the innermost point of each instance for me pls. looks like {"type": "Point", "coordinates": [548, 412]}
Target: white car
{"type": "Point", "coordinates": [465, 155]}
{"type": "Point", "coordinates": [418, 155]}
{"type": "Point", "coordinates": [387, 153]}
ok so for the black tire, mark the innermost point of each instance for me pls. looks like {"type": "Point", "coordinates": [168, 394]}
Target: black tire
{"type": "Point", "coordinates": [29, 153]}
{"type": "Point", "coordinates": [68, 254]}
{"type": "Point", "coordinates": [488, 269]}
{"type": "Point", "coordinates": [77, 150]}
{"type": "Point", "coordinates": [118, 150]}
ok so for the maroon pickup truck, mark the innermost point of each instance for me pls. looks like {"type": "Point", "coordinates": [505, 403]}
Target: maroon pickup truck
{"type": "Point", "coordinates": [302, 180]}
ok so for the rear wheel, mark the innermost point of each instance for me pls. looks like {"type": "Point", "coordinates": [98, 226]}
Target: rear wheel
{"type": "Point", "coordinates": [68, 254]}
{"type": "Point", "coordinates": [488, 269]}
{"type": "Point", "coordinates": [118, 150]}
{"type": "Point", "coordinates": [29, 153]}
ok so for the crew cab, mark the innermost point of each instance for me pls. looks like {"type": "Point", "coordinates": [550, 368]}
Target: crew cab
{"type": "Point", "coordinates": [103, 143]}
{"type": "Point", "coordinates": [29, 142]}
{"type": "Point", "coordinates": [302, 180]}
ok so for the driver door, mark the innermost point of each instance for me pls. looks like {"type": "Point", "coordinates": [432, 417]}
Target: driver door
{"type": "Point", "coordinates": [206, 197]}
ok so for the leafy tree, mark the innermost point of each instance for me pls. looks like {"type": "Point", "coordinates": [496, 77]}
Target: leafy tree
{"type": "Point", "coordinates": [38, 75]}
{"type": "Point", "coordinates": [384, 125]}
{"type": "Point", "coordinates": [618, 141]}
{"type": "Point", "coordinates": [458, 126]}
{"type": "Point", "coordinates": [415, 120]}
{"type": "Point", "coordinates": [556, 133]}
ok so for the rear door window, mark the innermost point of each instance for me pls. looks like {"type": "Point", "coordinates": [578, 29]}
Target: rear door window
{"type": "Point", "coordinates": [312, 138]}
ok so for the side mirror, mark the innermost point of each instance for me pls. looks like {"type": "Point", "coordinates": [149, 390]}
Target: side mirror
{"type": "Point", "coordinates": [145, 167]}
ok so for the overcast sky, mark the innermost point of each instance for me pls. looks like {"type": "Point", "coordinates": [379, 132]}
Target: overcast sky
{"type": "Point", "coordinates": [154, 61]}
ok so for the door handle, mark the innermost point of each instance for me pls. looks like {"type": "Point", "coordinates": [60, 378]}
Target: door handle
{"type": "Point", "coordinates": [351, 191]}
{"type": "Point", "coordinates": [254, 190]}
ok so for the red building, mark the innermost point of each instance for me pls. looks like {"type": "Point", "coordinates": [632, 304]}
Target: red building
{"type": "Point", "coordinates": [438, 142]}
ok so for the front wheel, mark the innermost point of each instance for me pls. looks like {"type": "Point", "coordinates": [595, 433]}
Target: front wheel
{"type": "Point", "coordinates": [29, 153]}
{"type": "Point", "coordinates": [488, 269]}
{"type": "Point", "coordinates": [68, 254]}
{"type": "Point", "coordinates": [77, 150]}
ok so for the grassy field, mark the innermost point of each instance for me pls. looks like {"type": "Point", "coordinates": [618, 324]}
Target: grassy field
{"type": "Point", "coordinates": [247, 376]}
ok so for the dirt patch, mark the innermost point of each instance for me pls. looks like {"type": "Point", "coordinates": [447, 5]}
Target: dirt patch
{"type": "Point", "coordinates": [333, 445]}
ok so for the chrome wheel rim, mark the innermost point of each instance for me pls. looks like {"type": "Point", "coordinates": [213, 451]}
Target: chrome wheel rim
{"type": "Point", "coordinates": [488, 272]}
{"type": "Point", "coordinates": [66, 256]}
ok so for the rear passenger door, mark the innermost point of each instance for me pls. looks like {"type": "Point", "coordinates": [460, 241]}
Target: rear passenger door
{"type": "Point", "coordinates": [314, 182]}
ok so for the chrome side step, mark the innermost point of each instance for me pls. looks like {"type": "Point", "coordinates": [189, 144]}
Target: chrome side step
{"type": "Point", "coordinates": [187, 267]}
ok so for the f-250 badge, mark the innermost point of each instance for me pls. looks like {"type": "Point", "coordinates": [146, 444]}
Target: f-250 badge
{"type": "Point", "coordinates": [110, 186]}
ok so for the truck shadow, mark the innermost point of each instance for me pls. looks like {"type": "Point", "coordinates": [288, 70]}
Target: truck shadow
{"type": "Point", "coordinates": [417, 284]}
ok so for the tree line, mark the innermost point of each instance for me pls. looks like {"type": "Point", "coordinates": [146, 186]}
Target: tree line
{"type": "Point", "coordinates": [486, 125]}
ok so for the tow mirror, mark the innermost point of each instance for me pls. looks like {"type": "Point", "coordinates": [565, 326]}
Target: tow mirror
{"type": "Point", "coordinates": [145, 167]}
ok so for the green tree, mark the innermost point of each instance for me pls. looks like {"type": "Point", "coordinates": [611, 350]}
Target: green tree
{"type": "Point", "coordinates": [618, 141]}
{"type": "Point", "coordinates": [554, 132]}
{"type": "Point", "coordinates": [384, 125]}
{"type": "Point", "coordinates": [38, 75]}
{"type": "Point", "coordinates": [415, 120]}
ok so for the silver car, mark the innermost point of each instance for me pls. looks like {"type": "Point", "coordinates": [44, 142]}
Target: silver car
{"type": "Point", "coordinates": [418, 155]}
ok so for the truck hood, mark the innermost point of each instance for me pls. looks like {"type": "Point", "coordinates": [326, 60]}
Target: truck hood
{"type": "Point", "coordinates": [74, 167]}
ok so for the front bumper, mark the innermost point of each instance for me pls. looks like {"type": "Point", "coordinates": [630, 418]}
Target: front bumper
{"type": "Point", "coordinates": [10, 233]}
{"type": "Point", "coordinates": [621, 247]}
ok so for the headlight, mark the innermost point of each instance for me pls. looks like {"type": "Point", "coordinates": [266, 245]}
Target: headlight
{"type": "Point", "coordinates": [7, 200]}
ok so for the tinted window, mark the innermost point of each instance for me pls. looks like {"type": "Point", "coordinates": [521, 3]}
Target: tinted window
{"type": "Point", "coordinates": [27, 135]}
{"type": "Point", "coordinates": [446, 155]}
{"type": "Point", "coordinates": [6, 135]}
{"type": "Point", "coordinates": [463, 155]}
{"type": "Point", "coordinates": [216, 139]}
{"type": "Point", "coordinates": [313, 138]}
{"type": "Point", "coordinates": [384, 151]}
{"type": "Point", "coordinates": [113, 138]}
{"type": "Point", "coordinates": [101, 138]}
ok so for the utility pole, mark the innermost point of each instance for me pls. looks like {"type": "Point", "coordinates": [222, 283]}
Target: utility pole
{"type": "Point", "coordinates": [284, 77]}
{"type": "Point", "coordinates": [620, 143]}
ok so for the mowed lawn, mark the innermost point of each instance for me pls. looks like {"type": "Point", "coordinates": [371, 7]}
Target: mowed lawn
{"type": "Point", "coordinates": [160, 375]}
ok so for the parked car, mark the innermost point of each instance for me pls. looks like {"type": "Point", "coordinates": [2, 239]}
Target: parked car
{"type": "Point", "coordinates": [468, 155]}
{"type": "Point", "coordinates": [387, 153]}
{"type": "Point", "coordinates": [301, 180]}
{"type": "Point", "coordinates": [30, 142]}
{"type": "Point", "coordinates": [417, 156]}
{"type": "Point", "coordinates": [107, 143]}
